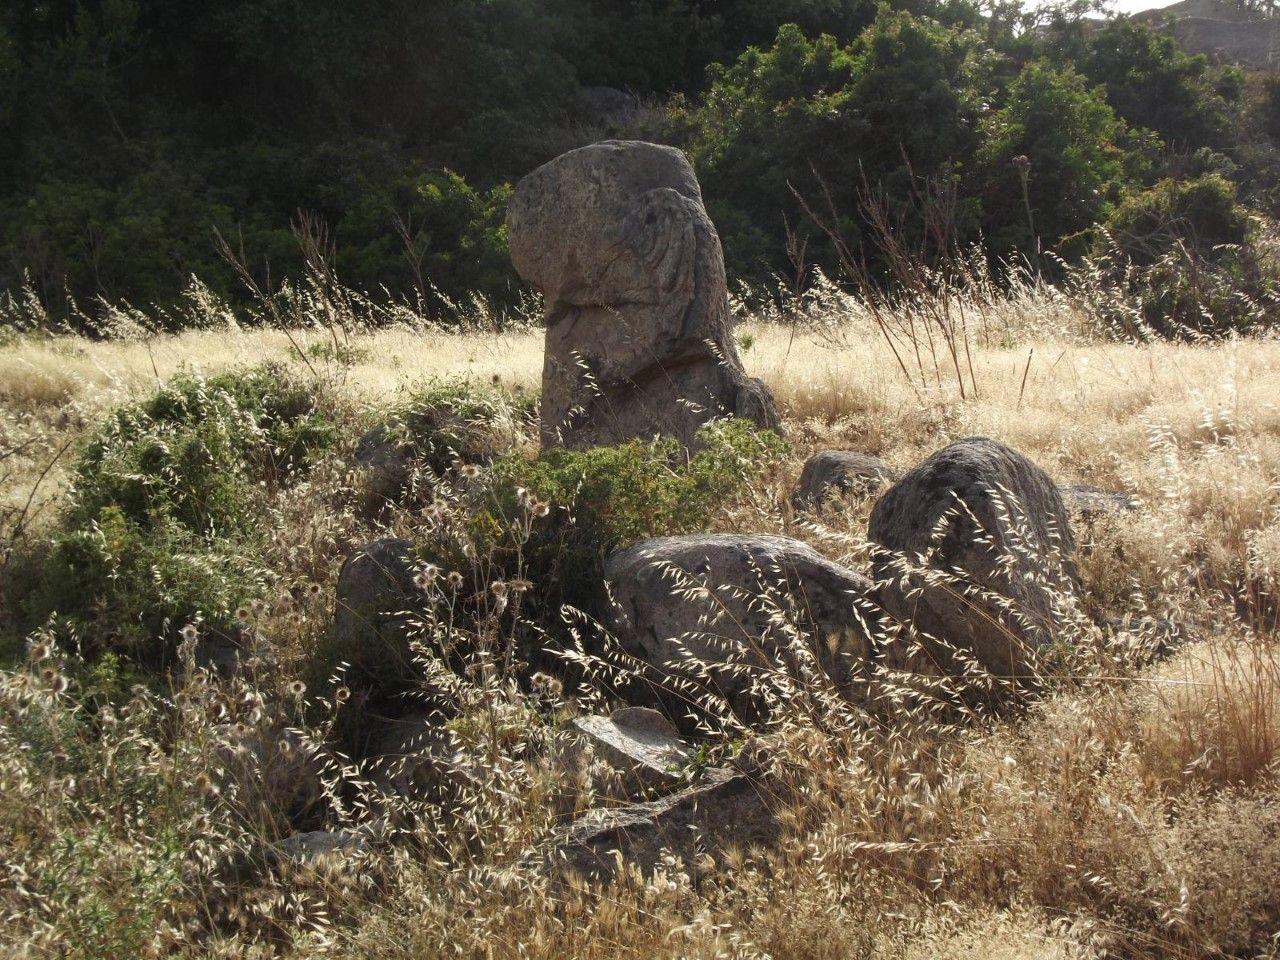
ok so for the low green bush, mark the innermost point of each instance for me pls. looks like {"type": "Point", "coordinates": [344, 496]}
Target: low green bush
{"type": "Point", "coordinates": [607, 497]}
{"type": "Point", "coordinates": [165, 510]}
{"type": "Point", "coordinates": [451, 421]}
{"type": "Point", "coordinates": [1201, 214]}
{"type": "Point", "coordinates": [1185, 255]}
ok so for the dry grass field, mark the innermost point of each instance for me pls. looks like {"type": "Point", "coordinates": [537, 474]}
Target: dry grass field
{"type": "Point", "coordinates": [1132, 809]}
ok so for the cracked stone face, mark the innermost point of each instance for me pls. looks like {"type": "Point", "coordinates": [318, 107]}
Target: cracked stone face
{"type": "Point", "coordinates": [639, 337]}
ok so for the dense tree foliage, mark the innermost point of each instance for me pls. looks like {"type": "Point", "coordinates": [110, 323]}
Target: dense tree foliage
{"type": "Point", "coordinates": [132, 131]}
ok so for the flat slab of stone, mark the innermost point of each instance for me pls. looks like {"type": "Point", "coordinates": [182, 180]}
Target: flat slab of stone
{"type": "Point", "coordinates": [639, 743]}
{"type": "Point", "coordinates": [1090, 503]}
{"type": "Point", "coordinates": [314, 844]}
{"type": "Point", "coordinates": [728, 809]}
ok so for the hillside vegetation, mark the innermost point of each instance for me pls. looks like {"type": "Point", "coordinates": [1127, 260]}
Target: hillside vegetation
{"type": "Point", "coordinates": [142, 144]}
{"type": "Point", "coordinates": [158, 488]}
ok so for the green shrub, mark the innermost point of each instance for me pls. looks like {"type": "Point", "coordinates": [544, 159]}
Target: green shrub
{"type": "Point", "coordinates": [1184, 253]}
{"type": "Point", "coordinates": [190, 452]}
{"type": "Point", "coordinates": [454, 420]}
{"type": "Point", "coordinates": [165, 511]}
{"type": "Point", "coordinates": [607, 497]}
{"type": "Point", "coordinates": [1201, 214]}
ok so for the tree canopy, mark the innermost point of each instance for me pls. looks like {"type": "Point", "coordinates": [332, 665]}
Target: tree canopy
{"type": "Point", "coordinates": [133, 130]}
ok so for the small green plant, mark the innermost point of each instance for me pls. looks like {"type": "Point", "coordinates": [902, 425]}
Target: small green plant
{"type": "Point", "coordinates": [344, 354]}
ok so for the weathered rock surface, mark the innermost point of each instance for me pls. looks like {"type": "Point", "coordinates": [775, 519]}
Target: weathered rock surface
{"type": "Point", "coordinates": [836, 473]}
{"type": "Point", "coordinates": [976, 552]}
{"type": "Point", "coordinates": [728, 809]}
{"type": "Point", "coordinates": [315, 844]}
{"type": "Point", "coordinates": [416, 756]}
{"type": "Point", "coordinates": [375, 589]}
{"type": "Point", "coordinates": [375, 610]}
{"type": "Point", "coordinates": [726, 599]}
{"type": "Point", "coordinates": [405, 456]}
{"type": "Point", "coordinates": [1090, 503]}
{"type": "Point", "coordinates": [641, 744]}
{"type": "Point", "coordinates": [639, 339]}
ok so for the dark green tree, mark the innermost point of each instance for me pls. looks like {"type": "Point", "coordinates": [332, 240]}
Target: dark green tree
{"type": "Point", "coordinates": [1052, 161]}
{"type": "Point", "coordinates": [1150, 82]}
{"type": "Point", "coordinates": [819, 118]}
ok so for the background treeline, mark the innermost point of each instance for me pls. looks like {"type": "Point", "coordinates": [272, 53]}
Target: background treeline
{"type": "Point", "coordinates": [133, 132]}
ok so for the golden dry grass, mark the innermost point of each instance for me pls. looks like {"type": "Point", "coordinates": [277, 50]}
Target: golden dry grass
{"type": "Point", "coordinates": [1132, 816]}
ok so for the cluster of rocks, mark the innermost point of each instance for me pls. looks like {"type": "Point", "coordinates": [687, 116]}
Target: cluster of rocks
{"type": "Point", "coordinates": [974, 549]}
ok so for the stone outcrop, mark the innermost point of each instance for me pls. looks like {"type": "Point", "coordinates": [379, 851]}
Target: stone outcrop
{"type": "Point", "coordinates": [640, 744]}
{"type": "Point", "coordinates": [639, 340]}
{"type": "Point", "coordinates": [1090, 503]}
{"type": "Point", "coordinates": [1222, 30]}
{"type": "Point", "coordinates": [837, 473]}
{"type": "Point", "coordinates": [726, 809]}
{"type": "Point", "coordinates": [975, 551]}
{"type": "Point", "coordinates": [728, 600]}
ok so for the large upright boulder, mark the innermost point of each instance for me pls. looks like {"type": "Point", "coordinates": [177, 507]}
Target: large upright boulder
{"type": "Point", "coordinates": [714, 610]}
{"type": "Point", "coordinates": [975, 552]}
{"type": "Point", "coordinates": [639, 340]}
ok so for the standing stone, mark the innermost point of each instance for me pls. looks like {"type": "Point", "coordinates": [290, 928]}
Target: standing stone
{"type": "Point", "coordinates": [375, 612]}
{"type": "Point", "coordinates": [975, 551]}
{"type": "Point", "coordinates": [639, 340]}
